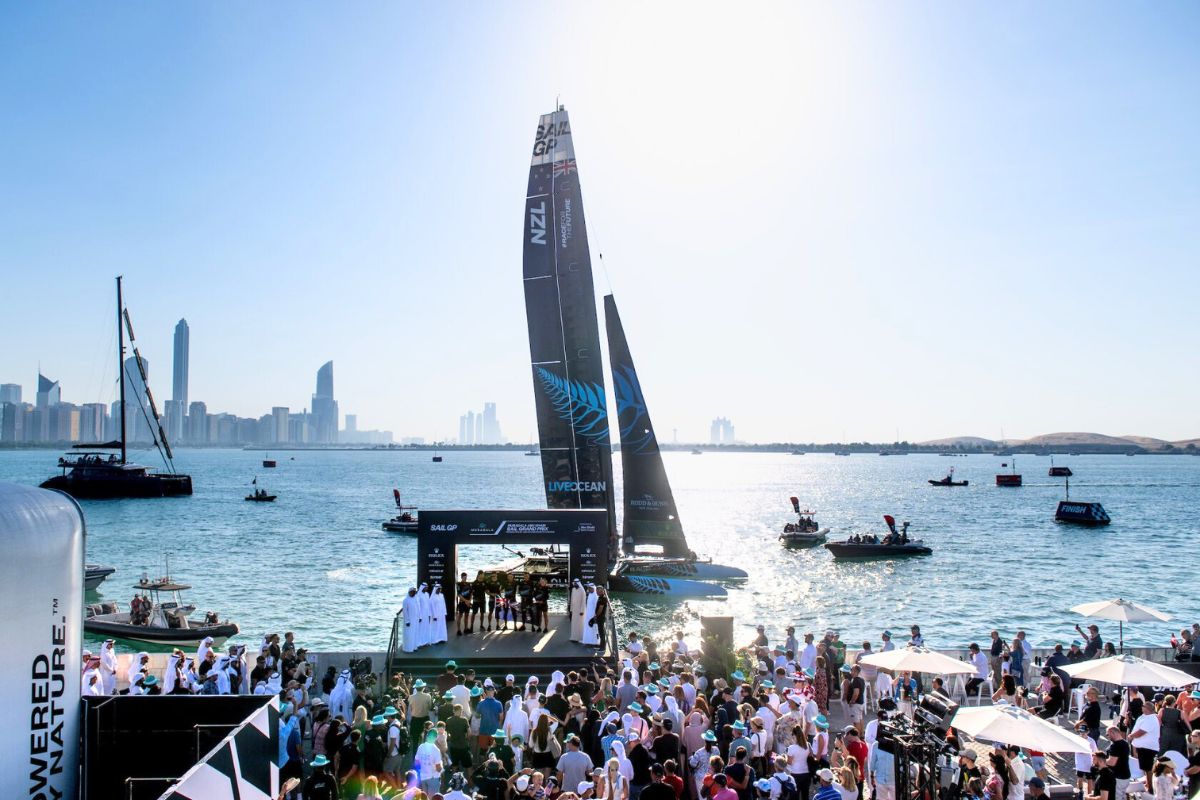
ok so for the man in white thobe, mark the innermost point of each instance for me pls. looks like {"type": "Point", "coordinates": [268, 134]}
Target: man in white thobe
{"type": "Point", "coordinates": [411, 611]}
{"type": "Point", "coordinates": [108, 667]}
{"type": "Point", "coordinates": [591, 632]}
{"type": "Point", "coordinates": [437, 614]}
{"type": "Point", "coordinates": [578, 608]}
{"type": "Point", "coordinates": [426, 631]}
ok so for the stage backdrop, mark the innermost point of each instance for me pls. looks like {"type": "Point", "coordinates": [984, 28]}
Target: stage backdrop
{"type": "Point", "coordinates": [245, 766]}
{"type": "Point", "coordinates": [440, 532]}
{"type": "Point", "coordinates": [41, 575]}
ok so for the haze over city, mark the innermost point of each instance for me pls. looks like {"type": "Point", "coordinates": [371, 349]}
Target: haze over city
{"type": "Point", "coordinates": [852, 223]}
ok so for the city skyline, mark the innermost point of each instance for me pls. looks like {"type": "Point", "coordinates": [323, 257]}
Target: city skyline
{"type": "Point", "coordinates": [853, 218]}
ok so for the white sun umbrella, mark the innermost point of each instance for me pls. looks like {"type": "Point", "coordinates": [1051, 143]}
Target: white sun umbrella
{"type": "Point", "coordinates": [918, 659]}
{"type": "Point", "coordinates": [1127, 670]}
{"type": "Point", "coordinates": [1122, 611]}
{"type": "Point", "coordinates": [1007, 724]}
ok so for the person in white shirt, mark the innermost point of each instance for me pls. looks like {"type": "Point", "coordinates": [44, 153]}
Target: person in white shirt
{"type": "Point", "coordinates": [872, 730]}
{"type": "Point", "coordinates": [1144, 737]}
{"type": "Point", "coordinates": [428, 763]}
{"type": "Point", "coordinates": [808, 654]}
{"type": "Point", "coordinates": [980, 662]}
{"type": "Point", "coordinates": [681, 647]}
{"type": "Point", "coordinates": [888, 644]}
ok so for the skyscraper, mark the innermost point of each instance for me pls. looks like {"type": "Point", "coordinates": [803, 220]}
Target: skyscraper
{"type": "Point", "coordinates": [10, 392]}
{"type": "Point", "coordinates": [176, 408]}
{"type": "Point", "coordinates": [49, 394]}
{"type": "Point", "coordinates": [280, 419]}
{"type": "Point", "coordinates": [324, 407]}
{"type": "Point", "coordinates": [721, 431]}
{"type": "Point", "coordinates": [491, 425]}
{"type": "Point", "coordinates": [197, 423]}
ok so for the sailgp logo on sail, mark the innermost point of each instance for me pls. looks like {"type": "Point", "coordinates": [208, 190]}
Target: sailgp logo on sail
{"type": "Point", "coordinates": [577, 486]}
{"type": "Point", "coordinates": [537, 223]}
{"type": "Point", "coordinates": [547, 136]}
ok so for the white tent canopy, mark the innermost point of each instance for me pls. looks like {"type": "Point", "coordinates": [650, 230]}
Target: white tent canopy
{"type": "Point", "coordinates": [918, 659]}
{"type": "Point", "coordinates": [1127, 670]}
{"type": "Point", "coordinates": [1008, 724]}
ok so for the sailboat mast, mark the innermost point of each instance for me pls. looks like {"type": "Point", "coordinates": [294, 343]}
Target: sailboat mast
{"type": "Point", "coordinates": [121, 366]}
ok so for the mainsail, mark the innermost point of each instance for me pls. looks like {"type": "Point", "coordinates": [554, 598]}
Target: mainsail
{"type": "Point", "coordinates": [651, 519]}
{"type": "Point", "coordinates": [564, 337]}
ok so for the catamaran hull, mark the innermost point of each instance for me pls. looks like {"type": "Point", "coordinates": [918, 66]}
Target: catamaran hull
{"type": "Point", "coordinates": [94, 575]}
{"type": "Point", "coordinates": [121, 487]}
{"type": "Point", "coordinates": [699, 570]}
{"type": "Point", "coordinates": [663, 587]}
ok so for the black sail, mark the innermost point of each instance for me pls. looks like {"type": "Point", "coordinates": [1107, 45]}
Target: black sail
{"type": "Point", "coordinates": [651, 520]}
{"type": "Point", "coordinates": [564, 336]}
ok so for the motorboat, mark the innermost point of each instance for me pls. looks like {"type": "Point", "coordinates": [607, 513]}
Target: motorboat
{"type": "Point", "coordinates": [804, 532]}
{"type": "Point", "coordinates": [895, 544]}
{"type": "Point", "coordinates": [268, 462]}
{"type": "Point", "coordinates": [159, 615]}
{"type": "Point", "coordinates": [797, 452]}
{"type": "Point", "coordinates": [405, 521]}
{"type": "Point", "coordinates": [94, 575]}
{"type": "Point", "coordinates": [847, 549]}
{"type": "Point", "coordinates": [841, 452]}
{"type": "Point", "coordinates": [697, 451]}
{"type": "Point", "coordinates": [1012, 478]}
{"type": "Point", "coordinates": [261, 496]}
{"type": "Point", "coordinates": [103, 471]}
{"type": "Point", "coordinates": [948, 480]}
{"type": "Point", "coordinates": [437, 459]}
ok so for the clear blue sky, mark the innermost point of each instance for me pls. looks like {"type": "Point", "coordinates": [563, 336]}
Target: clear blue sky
{"type": "Point", "coordinates": [937, 218]}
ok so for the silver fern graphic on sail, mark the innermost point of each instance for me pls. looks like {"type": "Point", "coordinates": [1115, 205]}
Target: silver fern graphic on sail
{"type": "Point", "coordinates": [582, 405]}
{"type": "Point", "coordinates": [632, 416]}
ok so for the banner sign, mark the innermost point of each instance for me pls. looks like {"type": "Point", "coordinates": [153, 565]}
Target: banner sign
{"type": "Point", "coordinates": [439, 533]}
{"type": "Point", "coordinates": [42, 631]}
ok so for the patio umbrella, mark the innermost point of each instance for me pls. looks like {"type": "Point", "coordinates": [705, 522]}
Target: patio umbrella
{"type": "Point", "coordinates": [1122, 611]}
{"type": "Point", "coordinates": [1127, 670]}
{"type": "Point", "coordinates": [918, 659]}
{"type": "Point", "coordinates": [1007, 724]}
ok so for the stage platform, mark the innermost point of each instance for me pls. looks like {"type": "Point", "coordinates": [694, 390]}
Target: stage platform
{"type": "Point", "coordinates": [496, 653]}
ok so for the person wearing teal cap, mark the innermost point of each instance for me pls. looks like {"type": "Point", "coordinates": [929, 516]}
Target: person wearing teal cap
{"type": "Point", "coordinates": [320, 784]}
{"type": "Point", "coordinates": [738, 676]}
{"type": "Point", "coordinates": [428, 764]}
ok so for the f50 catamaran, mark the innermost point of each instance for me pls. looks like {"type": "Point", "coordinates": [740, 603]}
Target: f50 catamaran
{"type": "Point", "coordinates": [652, 556]}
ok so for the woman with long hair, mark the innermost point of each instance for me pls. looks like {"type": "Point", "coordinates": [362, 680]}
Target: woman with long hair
{"type": "Point", "coordinates": [541, 745]}
{"type": "Point", "coordinates": [846, 781]}
{"type": "Point", "coordinates": [821, 685]}
{"type": "Point", "coordinates": [1164, 778]}
{"type": "Point", "coordinates": [997, 783]}
{"type": "Point", "coordinates": [1007, 691]}
{"type": "Point", "coordinates": [1017, 664]}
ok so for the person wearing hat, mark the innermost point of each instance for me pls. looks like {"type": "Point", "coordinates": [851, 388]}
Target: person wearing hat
{"type": "Point", "coordinates": [428, 764]}
{"type": "Point", "coordinates": [420, 706]}
{"type": "Point", "coordinates": [503, 752]}
{"type": "Point", "coordinates": [825, 788]}
{"type": "Point", "coordinates": [888, 644]}
{"type": "Point", "coordinates": [395, 744]}
{"type": "Point", "coordinates": [967, 771]}
{"type": "Point", "coordinates": [374, 746]}
{"type": "Point", "coordinates": [491, 781]}
{"type": "Point", "coordinates": [657, 789]}
{"type": "Point", "coordinates": [446, 681]}
{"type": "Point", "coordinates": [320, 784]}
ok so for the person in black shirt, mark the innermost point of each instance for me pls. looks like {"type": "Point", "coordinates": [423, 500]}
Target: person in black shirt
{"type": "Point", "coordinates": [463, 604]}
{"type": "Point", "coordinates": [321, 785]}
{"type": "Point", "coordinates": [1089, 718]}
{"type": "Point", "coordinates": [557, 704]}
{"type": "Point", "coordinates": [761, 639]}
{"type": "Point", "coordinates": [740, 774]}
{"type": "Point", "coordinates": [1094, 644]}
{"type": "Point", "coordinates": [1105, 784]}
{"type": "Point", "coordinates": [1117, 760]}
{"type": "Point", "coordinates": [510, 604]}
{"type": "Point", "coordinates": [527, 614]}
{"type": "Point", "coordinates": [967, 771]}
{"type": "Point", "coordinates": [478, 601]}
{"type": "Point", "coordinates": [666, 742]}
{"type": "Point", "coordinates": [639, 757]}
{"type": "Point", "coordinates": [491, 782]}
{"type": "Point", "coordinates": [657, 790]}
{"type": "Point", "coordinates": [1052, 701]}
{"type": "Point", "coordinates": [541, 606]}
{"type": "Point", "coordinates": [457, 730]}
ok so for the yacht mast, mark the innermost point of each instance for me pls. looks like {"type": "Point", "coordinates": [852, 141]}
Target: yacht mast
{"type": "Point", "coordinates": [121, 366]}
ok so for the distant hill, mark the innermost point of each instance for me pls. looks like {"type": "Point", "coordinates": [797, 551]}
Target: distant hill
{"type": "Point", "coordinates": [1077, 440]}
{"type": "Point", "coordinates": [960, 441]}
{"type": "Point", "coordinates": [1067, 439]}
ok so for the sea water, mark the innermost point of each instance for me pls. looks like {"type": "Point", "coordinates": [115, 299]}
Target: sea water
{"type": "Point", "coordinates": [317, 563]}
